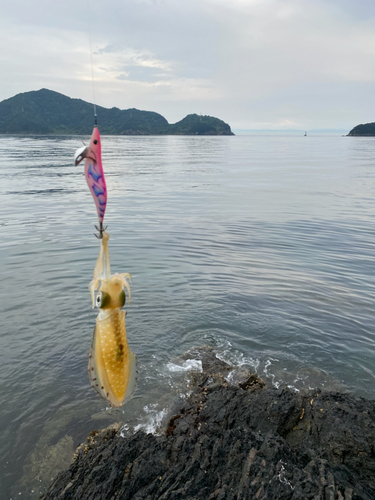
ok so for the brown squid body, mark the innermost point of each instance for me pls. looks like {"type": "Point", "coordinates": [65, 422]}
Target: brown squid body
{"type": "Point", "coordinates": [112, 365]}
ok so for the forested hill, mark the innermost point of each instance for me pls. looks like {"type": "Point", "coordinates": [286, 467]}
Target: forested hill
{"type": "Point", "coordinates": [47, 112]}
{"type": "Point", "coordinates": [366, 130]}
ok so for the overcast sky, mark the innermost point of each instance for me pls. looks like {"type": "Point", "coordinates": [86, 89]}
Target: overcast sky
{"type": "Point", "coordinates": [255, 64]}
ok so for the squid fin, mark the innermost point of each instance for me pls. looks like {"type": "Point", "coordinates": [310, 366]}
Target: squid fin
{"type": "Point", "coordinates": [97, 373]}
{"type": "Point", "coordinates": [133, 377]}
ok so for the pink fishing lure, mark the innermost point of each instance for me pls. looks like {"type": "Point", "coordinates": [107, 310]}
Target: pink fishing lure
{"type": "Point", "coordinates": [94, 171]}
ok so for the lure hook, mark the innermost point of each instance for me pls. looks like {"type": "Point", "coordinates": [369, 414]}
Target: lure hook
{"type": "Point", "coordinates": [101, 230]}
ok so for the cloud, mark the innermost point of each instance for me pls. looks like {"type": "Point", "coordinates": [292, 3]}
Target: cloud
{"type": "Point", "coordinates": [246, 61]}
{"type": "Point", "coordinates": [131, 65]}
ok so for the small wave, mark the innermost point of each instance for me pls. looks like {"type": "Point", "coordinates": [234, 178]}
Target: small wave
{"type": "Point", "coordinates": [188, 365]}
{"type": "Point", "coordinates": [153, 419]}
{"type": "Point", "coordinates": [34, 192]}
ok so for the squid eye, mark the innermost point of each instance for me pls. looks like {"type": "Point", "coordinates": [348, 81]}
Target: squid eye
{"type": "Point", "coordinates": [99, 299]}
{"type": "Point", "coordinates": [103, 299]}
{"type": "Point", "coordinates": [122, 298]}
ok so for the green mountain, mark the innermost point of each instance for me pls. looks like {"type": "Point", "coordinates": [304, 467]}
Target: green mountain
{"type": "Point", "coordinates": [365, 129]}
{"type": "Point", "coordinates": [47, 112]}
{"type": "Point", "coordinates": [200, 125]}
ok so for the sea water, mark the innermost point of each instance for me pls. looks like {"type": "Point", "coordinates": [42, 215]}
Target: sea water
{"type": "Point", "coordinates": [261, 246]}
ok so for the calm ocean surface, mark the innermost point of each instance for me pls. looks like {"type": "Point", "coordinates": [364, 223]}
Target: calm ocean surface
{"type": "Point", "coordinates": [261, 246]}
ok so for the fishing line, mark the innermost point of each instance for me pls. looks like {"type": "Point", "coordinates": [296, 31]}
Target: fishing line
{"type": "Point", "coordinates": [92, 67]}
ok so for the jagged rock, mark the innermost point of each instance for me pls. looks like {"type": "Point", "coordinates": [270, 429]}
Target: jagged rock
{"type": "Point", "coordinates": [237, 440]}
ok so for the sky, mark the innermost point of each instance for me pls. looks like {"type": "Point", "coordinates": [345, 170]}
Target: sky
{"type": "Point", "coordinates": [256, 64]}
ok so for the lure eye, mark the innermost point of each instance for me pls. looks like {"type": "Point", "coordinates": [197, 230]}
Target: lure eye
{"type": "Point", "coordinates": [95, 141]}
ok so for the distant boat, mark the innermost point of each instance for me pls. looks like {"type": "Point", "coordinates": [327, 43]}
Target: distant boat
{"type": "Point", "coordinates": [305, 134]}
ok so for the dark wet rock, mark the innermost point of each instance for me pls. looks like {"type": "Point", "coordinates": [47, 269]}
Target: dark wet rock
{"type": "Point", "coordinates": [234, 440]}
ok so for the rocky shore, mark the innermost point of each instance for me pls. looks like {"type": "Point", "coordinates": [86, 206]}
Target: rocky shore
{"type": "Point", "coordinates": [233, 438]}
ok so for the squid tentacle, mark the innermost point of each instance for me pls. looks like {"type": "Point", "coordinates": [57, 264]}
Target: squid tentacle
{"type": "Point", "coordinates": [122, 277]}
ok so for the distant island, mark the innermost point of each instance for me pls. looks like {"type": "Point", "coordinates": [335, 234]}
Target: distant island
{"type": "Point", "coordinates": [44, 111]}
{"type": "Point", "coordinates": [364, 130]}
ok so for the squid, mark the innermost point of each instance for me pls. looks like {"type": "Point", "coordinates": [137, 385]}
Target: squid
{"type": "Point", "coordinates": [112, 365]}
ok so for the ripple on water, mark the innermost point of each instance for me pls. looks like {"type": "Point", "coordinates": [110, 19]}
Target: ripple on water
{"type": "Point", "coordinates": [262, 247]}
